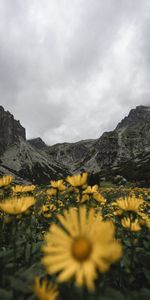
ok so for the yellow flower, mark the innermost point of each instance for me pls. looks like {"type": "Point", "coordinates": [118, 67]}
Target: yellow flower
{"type": "Point", "coordinates": [23, 188]}
{"type": "Point", "coordinates": [78, 247]}
{"type": "Point", "coordinates": [52, 207]}
{"type": "Point", "coordinates": [98, 197]}
{"type": "Point", "coordinates": [77, 180]}
{"type": "Point", "coordinates": [45, 211]}
{"type": "Point", "coordinates": [130, 203]}
{"type": "Point", "coordinates": [60, 203]}
{"type": "Point", "coordinates": [84, 198]}
{"type": "Point", "coordinates": [148, 222]}
{"type": "Point", "coordinates": [91, 189]}
{"type": "Point", "coordinates": [47, 215]}
{"type": "Point", "coordinates": [44, 208]}
{"type": "Point", "coordinates": [45, 290]}
{"type": "Point", "coordinates": [15, 206]}
{"type": "Point", "coordinates": [118, 212]}
{"type": "Point", "coordinates": [5, 180]}
{"type": "Point", "coordinates": [142, 215]}
{"type": "Point", "coordinates": [59, 185]}
{"type": "Point", "coordinates": [51, 192]}
{"type": "Point", "coordinates": [132, 225]}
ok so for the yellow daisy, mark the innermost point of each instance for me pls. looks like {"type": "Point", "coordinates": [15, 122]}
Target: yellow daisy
{"type": "Point", "coordinates": [99, 198]}
{"type": "Point", "coordinates": [45, 290]}
{"type": "Point", "coordinates": [91, 189]}
{"type": "Point", "coordinates": [132, 225]}
{"type": "Point", "coordinates": [58, 185]}
{"type": "Point", "coordinates": [83, 245]}
{"type": "Point", "coordinates": [84, 198]}
{"type": "Point", "coordinates": [51, 192]}
{"type": "Point", "coordinates": [77, 180]}
{"type": "Point", "coordinates": [23, 188]}
{"type": "Point", "coordinates": [130, 203]}
{"type": "Point", "coordinates": [5, 180]}
{"type": "Point", "coordinates": [15, 206]}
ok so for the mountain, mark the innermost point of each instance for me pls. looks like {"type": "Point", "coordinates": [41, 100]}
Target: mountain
{"type": "Point", "coordinates": [126, 150]}
{"type": "Point", "coordinates": [123, 151]}
{"type": "Point", "coordinates": [25, 160]}
{"type": "Point", "coordinates": [72, 154]}
{"type": "Point", "coordinates": [37, 143]}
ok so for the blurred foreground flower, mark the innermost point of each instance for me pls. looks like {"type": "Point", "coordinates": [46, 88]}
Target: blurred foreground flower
{"type": "Point", "coordinates": [15, 206]}
{"type": "Point", "coordinates": [45, 290]}
{"type": "Point", "coordinates": [84, 245]}
{"type": "Point", "coordinates": [5, 180]}
{"type": "Point", "coordinates": [77, 180]}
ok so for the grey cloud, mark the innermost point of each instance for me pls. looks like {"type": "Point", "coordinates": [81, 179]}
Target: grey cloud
{"type": "Point", "coordinates": [72, 69]}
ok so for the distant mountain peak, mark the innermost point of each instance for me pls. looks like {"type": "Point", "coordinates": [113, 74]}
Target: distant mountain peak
{"type": "Point", "coordinates": [37, 143]}
{"type": "Point", "coordinates": [142, 107]}
{"type": "Point", "coordinates": [136, 115]}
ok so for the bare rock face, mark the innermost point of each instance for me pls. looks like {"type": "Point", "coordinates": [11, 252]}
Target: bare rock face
{"type": "Point", "coordinates": [10, 130]}
{"type": "Point", "coordinates": [124, 151]}
{"type": "Point", "coordinates": [134, 133]}
{"type": "Point", "coordinates": [25, 160]}
{"type": "Point", "coordinates": [70, 154]}
{"type": "Point", "coordinates": [38, 143]}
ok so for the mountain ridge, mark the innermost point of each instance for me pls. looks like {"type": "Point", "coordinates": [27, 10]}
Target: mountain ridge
{"type": "Point", "coordinates": [124, 151]}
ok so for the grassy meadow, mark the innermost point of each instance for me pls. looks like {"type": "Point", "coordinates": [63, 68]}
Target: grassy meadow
{"type": "Point", "coordinates": [69, 240]}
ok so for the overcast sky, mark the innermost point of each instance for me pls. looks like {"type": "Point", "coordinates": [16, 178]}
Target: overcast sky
{"type": "Point", "coordinates": [72, 69]}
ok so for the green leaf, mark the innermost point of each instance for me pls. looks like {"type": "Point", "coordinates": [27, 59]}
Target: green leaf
{"type": "Point", "coordinates": [19, 285]}
{"type": "Point", "coordinates": [5, 295]}
{"type": "Point", "coordinates": [112, 294]}
{"type": "Point", "coordinates": [147, 274]}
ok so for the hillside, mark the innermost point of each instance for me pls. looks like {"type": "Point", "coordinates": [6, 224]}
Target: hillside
{"type": "Point", "coordinates": [124, 151]}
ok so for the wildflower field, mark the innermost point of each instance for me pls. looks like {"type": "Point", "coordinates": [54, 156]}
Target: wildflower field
{"type": "Point", "coordinates": [70, 241]}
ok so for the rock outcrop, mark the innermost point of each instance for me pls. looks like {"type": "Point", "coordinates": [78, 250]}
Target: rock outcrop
{"type": "Point", "coordinates": [10, 130]}
{"type": "Point", "coordinates": [25, 160]}
{"type": "Point", "coordinates": [71, 154]}
{"type": "Point", "coordinates": [38, 143]}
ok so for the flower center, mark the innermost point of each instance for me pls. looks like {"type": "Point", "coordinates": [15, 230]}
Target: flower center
{"type": "Point", "coordinates": [81, 248]}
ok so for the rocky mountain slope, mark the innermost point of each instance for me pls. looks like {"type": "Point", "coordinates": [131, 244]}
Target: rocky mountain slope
{"type": "Point", "coordinates": [124, 151]}
{"type": "Point", "coordinates": [22, 159]}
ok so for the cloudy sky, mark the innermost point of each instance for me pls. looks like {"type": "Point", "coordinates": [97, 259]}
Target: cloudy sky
{"type": "Point", "coordinates": [71, 69]}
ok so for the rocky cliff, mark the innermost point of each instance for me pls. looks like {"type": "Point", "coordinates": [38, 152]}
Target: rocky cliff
{"type": "Point", "coordinates": [10, 130]}
{"type": "Point", "coordinates": [71, 154]}
{"type": "Point", "coordinates": [25, 160]}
